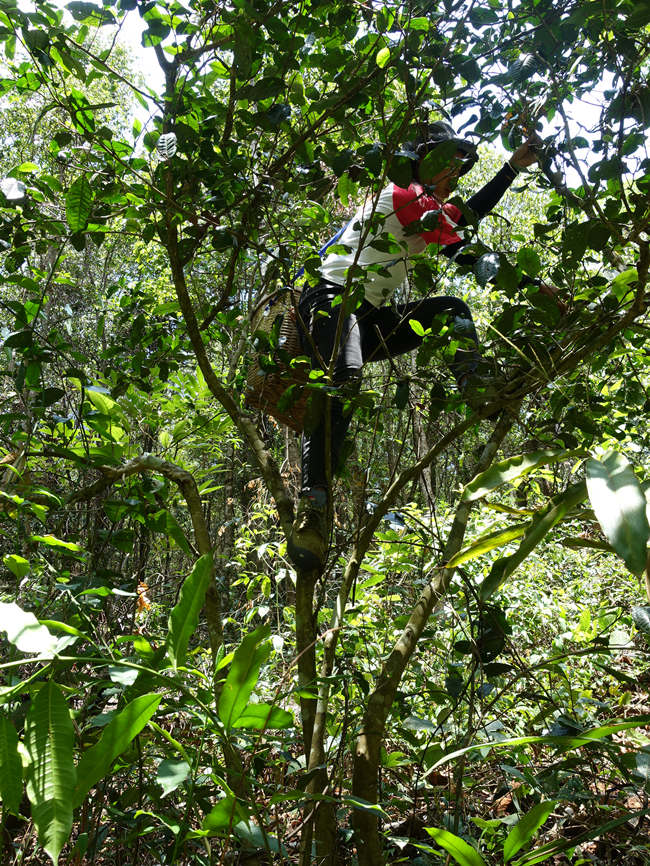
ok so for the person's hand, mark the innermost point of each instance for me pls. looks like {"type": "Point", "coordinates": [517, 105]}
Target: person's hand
{"type": "Point", "coordinates": [552, 292]}
{"type": "Point", "coordinates": [526, 153]}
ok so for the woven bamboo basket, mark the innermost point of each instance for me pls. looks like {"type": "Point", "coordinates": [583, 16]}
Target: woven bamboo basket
{"type": "Point", "coordinates": [275, 382]}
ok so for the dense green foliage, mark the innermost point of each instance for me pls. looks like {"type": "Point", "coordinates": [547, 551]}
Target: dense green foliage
{"type": "Point", "coordinates": [466, 678]}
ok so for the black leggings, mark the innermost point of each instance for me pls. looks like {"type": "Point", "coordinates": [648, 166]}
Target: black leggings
{"type": "Point", "coordinates": [369, 334]}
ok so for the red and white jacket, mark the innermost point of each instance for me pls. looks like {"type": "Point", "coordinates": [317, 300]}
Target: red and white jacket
{"type": "Point", "coordinates": [385, 259]}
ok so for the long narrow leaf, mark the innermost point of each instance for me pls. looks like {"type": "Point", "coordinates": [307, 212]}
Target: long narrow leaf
{"type": "Point", "coordinates": [526, 827]}
{"type": "Point", "coordinates": [115, 739]}
{"type": "Point", "coordinates": [512, 468]}
{"type": "Point", "coordinates": [593, 735]}
{"type": "Point", "coordinates": [620, 505]}
{"type": "Point", "coordinates": [51, 775]}
{"type": "Point", "coordinates": [538, 528]}
{"type": "Point", "coordinates": [11, 767]}
{"type": "Point", "coordinates": [78, 203]}
{"type": "Point", "coordinates": [459, 849]}
{"type": "Point", "coordinates": [184, 618]}
{"type": "Point", "coordinates": [242, 676]}
{"type": "Point", "coordinates": [487, 542]}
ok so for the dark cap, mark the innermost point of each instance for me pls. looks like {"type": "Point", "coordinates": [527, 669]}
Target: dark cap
{"type": "Point", "coordinates": [432, 134]}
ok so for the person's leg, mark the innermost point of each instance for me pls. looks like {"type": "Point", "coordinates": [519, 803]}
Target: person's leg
{"type": "Point", "coordinates": [391, 333]}
{"type": "Point", "coordinates": [327, 421]}
{"type": "Point", "coordinates": [322, 321]}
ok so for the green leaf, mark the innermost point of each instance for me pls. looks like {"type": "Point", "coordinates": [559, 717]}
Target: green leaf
{"type": "Point", "coordinates": [115, 739]}
{"type": "Point", "coordinates": [52, 541]}
{"type": "Point", "coordinates": [526, 827]}
{"type": "Point", "coordinates": [78, 204]}
{"type": "Point", "coordinates": [590, 543]}
{"type": "Point", "coordinates": [51, 775]}
{"type": "Point", "coordinates": [103, 403]}
{"type": "Point", "coordinates": [511, 468]}
{"type": "Point", "coordinates": [249, 657]}
{"type": "Point", "coordinates": [223, 816]}
{"type": "Point", "coordinates": [264, 716]}
{"type": "Point", "coordinates": [402, 394]}
{"type": "Point", "coordinates": [487, 542]}
{"type": "Point", "coordinates": [585, 738]}
{"type": "Point", "coordinates": [123, 675]}
{"type": "Point", "coordinates": [255, 837]}
{"type": "Point", "coordinates": [417, 327]}
{"type": "Point", "coordinates": [383, 56]}
{"type": "Point", "coordinates": [17, 565]}
{"type": "Point", "coordinates": [528, 260]}
{"type": "Point", "coordinates": [538, 528]}
{"type": "Point", "coordinates": [184, 617]}
{"type": "Point", "coordinates": [81, 11]}
{"type": "Point", "coordinates": [11, 767]}
{"type": "Point", "coordinates": [400, 171]}
{"type": "Point", "coordinates": [171, 774]}
{"type": "Point", "coordinates": [25, 631]}
{"type": "Point", "coordinates": [457, 847]}
{"type": "Point", "coordinates": [436, 160]}
{"type": "Point", "coordinates": [620, 506]}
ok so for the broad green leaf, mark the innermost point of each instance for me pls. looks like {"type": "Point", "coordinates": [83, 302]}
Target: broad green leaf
{"type": "Point", "coordinates": [184, 617]}
{"type": "Point", "coordinates": [256, 838]}
{"type": "Point", "coordinates": [538, 528]}
{"type": "Point", "coordinates": [249, 657]}
{"type": "Point", "coordinates": [166, 523]}
{"type": "Point", "coordinates": [51, 775]}
{"type": "Point", "coordinates": [11, 767]}
{"type": "Point", "coordinates": [526, 827]}
{"type": "Point", "coordinates": [260, 716]}
{"type": "Point", "coordinates": [528, 260]}
{"type": "Point", "coordinates": [487, 542]}
{"type": "Point", "coordinates": [460, 850]}
{"type": "Point", "coordinates": [123, 675]}
{"type": "Point", "coordinates": [437, 160]}
{"type": "Point", "coordinates": [25, 631]}
{"type": "Point", "coordinates": [511, 468]}
{"type": "Point", "coordinates": [620, 506]}
{"type": "Point", "coordinates": [104, 404]}
{"type": "Point", "coordinates": [115, 739]}
{"type": "Point", "coordinates": [78, 204]}
{"type": "Point", "coordinates": [52, 541]}
{"type": "Point", "coordinates": [171, 774]}
{"type": "Point", "coordinates": [383, 56]}
{"type": "Point", "coordinates": [17, 565]}
{"type": "Point", "coordinates": [223, 816]}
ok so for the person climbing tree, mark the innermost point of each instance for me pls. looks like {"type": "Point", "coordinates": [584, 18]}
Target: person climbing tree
{"type": "Point", "coordinates": [377, 329]}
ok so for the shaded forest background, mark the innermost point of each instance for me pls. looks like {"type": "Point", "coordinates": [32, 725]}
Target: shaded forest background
{"type": "Point", "coordinates": [467, 680]}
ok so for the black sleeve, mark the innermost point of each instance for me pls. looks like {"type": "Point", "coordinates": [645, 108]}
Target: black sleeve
{"type": "Point", "coordinates": [487, 197]}
{"type": "Point", "coordinates": [481, 203]}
